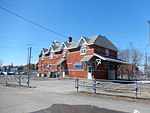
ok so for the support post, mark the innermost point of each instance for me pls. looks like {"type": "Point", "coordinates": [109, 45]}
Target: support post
{"type": "Point", "coordinates": [94, 86]}
{"type": "Point", "coordinates": [77, 84]}
{"type": "Point", "coordinates": [5, 78]}
{"type": "Point", "coordinates": [19, 80]}
{"type": "Point", "coordinates": [136, 89]}
{"type": "Point", "coordinates": [28, 80]}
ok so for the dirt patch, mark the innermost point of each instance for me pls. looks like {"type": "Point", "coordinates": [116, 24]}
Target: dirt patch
{"type": "Point", "coordinates": [115, 97]}
{"type": "Point", "coordinates": [63, 108]}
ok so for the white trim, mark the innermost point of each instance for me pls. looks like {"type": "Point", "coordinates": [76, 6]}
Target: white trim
{"type": "Point", "coordinates": [110, 59]}
{"type": "Point", "coordinates": [99, 56]}
{"type": "Point", "coordinates": [83, 51]}
{"type": "Point", "coordinates": [82, 38]}
{"type": "Point", "coordinates": [62, 46]}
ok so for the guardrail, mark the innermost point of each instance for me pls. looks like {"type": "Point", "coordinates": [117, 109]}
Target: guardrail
{"type": "Point", "coordinates": [109, 85]}
{"type": "Point", "coordinates": [19, 79]}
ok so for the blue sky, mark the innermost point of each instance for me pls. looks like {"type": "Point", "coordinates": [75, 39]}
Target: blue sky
{"type": "Point", "coordinates": [121, 21]}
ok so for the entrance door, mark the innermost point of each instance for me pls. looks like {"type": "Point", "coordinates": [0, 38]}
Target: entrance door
{"type": "Point", "coordinates": [63, 71]}
{"type": "Point", "coordinates": [89, 71]}
{"type": "Point", "coordinates": [111, 75]}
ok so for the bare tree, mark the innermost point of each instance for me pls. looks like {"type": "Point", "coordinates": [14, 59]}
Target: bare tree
{"type": "Point", "coordinates": [131, 55]}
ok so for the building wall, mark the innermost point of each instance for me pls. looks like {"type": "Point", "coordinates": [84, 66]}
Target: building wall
{"type": "Point", "coordinates": [73, 55]}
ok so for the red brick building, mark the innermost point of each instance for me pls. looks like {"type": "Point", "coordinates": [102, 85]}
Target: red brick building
{"type": "Point", "coordinates": [89, 57]}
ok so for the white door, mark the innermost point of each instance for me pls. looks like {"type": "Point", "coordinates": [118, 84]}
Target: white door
{"type": "Point", "coordinates": [89, 71]}
{"type": "Point", "coordinates": [63, 71]}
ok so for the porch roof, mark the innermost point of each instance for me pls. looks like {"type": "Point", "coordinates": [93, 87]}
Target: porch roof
{"type": "Point", "coordinates": [60, 61]}
{"type": "Point", "coordinates": [86, 58]}
{"type": "Point", "coordinates": [111, 59]}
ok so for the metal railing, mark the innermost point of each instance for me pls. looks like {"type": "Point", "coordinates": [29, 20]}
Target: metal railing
{"type": "Point", "coordinates": [17, 79]}
{"type": "Point", "coordinates": [109, 85]}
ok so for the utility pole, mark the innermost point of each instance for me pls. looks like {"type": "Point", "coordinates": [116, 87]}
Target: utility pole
{"type": "Point", "coordinates": [29, 62]}
{"type": "Point", "coordinates": [149, 30]}
{"type": "Point", "coordinates": [145, 64]}
{"type": "Point", "coordinates": [149, 45]}
{"type": "Point", "coordinates": [146, 56]}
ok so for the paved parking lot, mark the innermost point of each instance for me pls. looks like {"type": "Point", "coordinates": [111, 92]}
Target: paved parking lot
{"type": "Point", "coordinates": [51, 91]}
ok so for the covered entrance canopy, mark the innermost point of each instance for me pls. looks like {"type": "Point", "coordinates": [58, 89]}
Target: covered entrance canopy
{"type": "Point", "coordinates": [60, 61]}
{"type": "Point", "coordinates": [86, 58]}
{"type": "Point", "coordinates": [110, 59]}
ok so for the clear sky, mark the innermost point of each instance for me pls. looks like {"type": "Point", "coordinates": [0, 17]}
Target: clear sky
{"type": "Point", "coordinates": [121, 21]}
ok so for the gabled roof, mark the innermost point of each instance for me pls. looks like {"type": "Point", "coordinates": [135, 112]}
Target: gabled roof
{"type": "Point", "coordinates": [54, 47]}
{"type": "Point", "coordinates": [43, 51]}
{"type": "Point", "coordinates": [73, 44]}
{"type": "Point", "coordinates": [101, 41]}
{"type": "Point", "coordinates": [51, 47]}
{"type": "Point", "coordinates": [98, 40]}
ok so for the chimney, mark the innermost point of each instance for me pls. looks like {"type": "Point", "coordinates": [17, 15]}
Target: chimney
{"type": "Point", "coordinates": [69, 39]}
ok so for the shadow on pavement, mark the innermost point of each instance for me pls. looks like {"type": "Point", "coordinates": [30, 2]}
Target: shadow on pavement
{"type": "Point", "coordinates": [64, 108]}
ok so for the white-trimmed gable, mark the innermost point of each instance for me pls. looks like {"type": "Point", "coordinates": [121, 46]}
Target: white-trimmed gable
{"type": "Point", "coordinates": [81, 42]}
{"type": "Point", "coordinates": [63, 46]}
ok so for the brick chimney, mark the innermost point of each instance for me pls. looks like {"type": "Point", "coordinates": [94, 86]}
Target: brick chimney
{"type": "Point", "coordinates": [69, 39]}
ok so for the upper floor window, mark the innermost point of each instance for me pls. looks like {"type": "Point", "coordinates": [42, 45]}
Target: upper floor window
{"type": "Point", "coordinates": [64, 54]}
{"type": "Point", "coordinates": [106, 52]}
{"type": "Point", "coordinates": [51, 55]}
{"type": "Point", "coordinates": [42, 57]}
{"type": "Point", "coordinates": [83, 51]}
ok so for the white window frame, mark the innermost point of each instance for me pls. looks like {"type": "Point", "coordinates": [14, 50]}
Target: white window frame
{"type": "Point", "coordinates": [42, 57]}
{"type": "Point", "coordinates": [51, 55]}
{"type": "Point", "coordinates": [107, 52]}
{"type": "Point", "coordinates": [83, 51]}
{"type": "Point", "coordinates": [64, 54]}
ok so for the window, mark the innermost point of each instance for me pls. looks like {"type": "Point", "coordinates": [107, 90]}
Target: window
{"type": "Point", "coordinates": [64, 54]}
{"type": "Point", "coordinates": [51, 55]}
{"type": "Point", "coordinates": [83, 51]}
{"type": "Point", "coordinates": [106, 52]}
{"type": "Point", "coordinates": [100, 51]}
{"type": "Point", "coordinates": [42, 57]}
{"type": "Point", "coordinates": [77, 65]}
{"type": "Point", "coordinates": [46, 64]}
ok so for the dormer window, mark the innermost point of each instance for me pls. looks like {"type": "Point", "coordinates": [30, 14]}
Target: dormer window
{"type": "Point", "coordinates": [42, 57]}
{"type": "Point", "coordinates": [83, 51]}
{"type": "Point", "coordinates": [106, 52]}
{"type": "Point", "coordinates": [51, 55]}
{"type": "Point", "coordinates": [64, 54]}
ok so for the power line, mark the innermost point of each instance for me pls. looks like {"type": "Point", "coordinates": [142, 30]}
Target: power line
{"type": "Point", "coordinates": [32, 22]}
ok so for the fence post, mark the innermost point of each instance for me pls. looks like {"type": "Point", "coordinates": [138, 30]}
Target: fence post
{"type": "Point", "coordinates": [19, 80]}
{"type": "Point", "coordinates": [76, 84]}
{"type": "Point", "coordinates": [94, 86]}
{"type": "Point", "coordinates": [28, 79]}
{"type": "Point", "coordinates": [5, 78]}
{"type": "Point", "coordinates": [136, 89]}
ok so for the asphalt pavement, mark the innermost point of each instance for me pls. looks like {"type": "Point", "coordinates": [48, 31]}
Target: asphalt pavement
{"type": "Point", "coordinates": [47, 92]}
